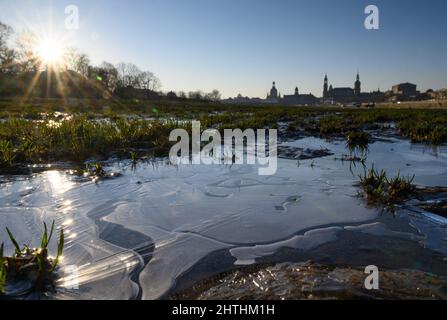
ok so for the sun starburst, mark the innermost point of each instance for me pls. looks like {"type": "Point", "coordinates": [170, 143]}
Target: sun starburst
{"type": "Point", "coordinates": [51, 52]}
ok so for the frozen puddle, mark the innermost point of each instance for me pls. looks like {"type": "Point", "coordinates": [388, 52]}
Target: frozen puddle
{"type": "Point", "coordinates": [144, 230]}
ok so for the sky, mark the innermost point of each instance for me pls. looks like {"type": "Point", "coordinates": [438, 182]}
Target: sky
{"type": "Point", "coordinates": [242, 46]}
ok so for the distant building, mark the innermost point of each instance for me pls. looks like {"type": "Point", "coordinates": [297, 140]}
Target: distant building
{"type": "Point", "coordinates": [242, 100]}
{"type": "Point", "coordinates": [298, 99]}
{"type": "Point", "coordinates": [295, 99]}
{"type": "Point", "coordinates": [342, 94]}
{"type": "Point", "coordinates": [406, 90]}
{"type": "Point", "coordinates": [274, 96]}
{"type": "Point", "coordinates": [330, 95]}
{"type": "Point", "coordinates": [171, 95]}
{"type": "Point", "coordinates": [350, 95]}
{"type": "Point", "coordinates": [325, 88]}
{"type": "Point", "coordinates": [438, 95]}
{"type": "Point", "coordinates": [357, 86]}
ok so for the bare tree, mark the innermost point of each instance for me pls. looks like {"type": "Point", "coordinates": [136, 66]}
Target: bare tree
{"type": "Point", "coordinates": [121, 69]}
{"type": "Point", "coordinates": [28, 59]}
{"type": "Point", "coordinates": [106, 74]}
{"type": "Point", "coordinates": [5, 33]}
{"type": "Point", "coordinates": [78, 62]}
{"type": "Point", "coordinates": [196, 95]}
{"type": "Point", "coordinates": [7, 56]}
{"type": "Point", "coordinates": [148, 80]}
{"type": "Point", "coordinates": [214, 95]}
{"type": "Point", "coordinates": [128, 75]}
{"type": "Point", "coordinates": [109, 75]}
{"type": "Point", "coordinates": [133, 76]}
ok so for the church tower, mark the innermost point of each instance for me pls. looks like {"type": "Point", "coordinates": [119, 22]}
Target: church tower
{"type": "Point", "coordinates": [273, 92]}
{"type": "Point", "coordinates": [357, 86]}
{"type": "Point", "coordinates": [325, 87]}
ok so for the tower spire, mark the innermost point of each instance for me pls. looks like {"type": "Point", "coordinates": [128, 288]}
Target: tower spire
{"type": "Point", "coordinates": [358, 84]}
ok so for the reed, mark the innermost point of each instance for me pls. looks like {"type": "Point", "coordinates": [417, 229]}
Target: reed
{"type": "Point", "coordinates": [384, 191]}
{"type": "Point", "coordinates": [32, 264]}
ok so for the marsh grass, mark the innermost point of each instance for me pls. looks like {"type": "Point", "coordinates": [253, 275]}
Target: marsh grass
{"type": "Point", "coordinates": [423, 131]}
{"type": "Point", "coordinates": [7, 154]}
{"type": "Point", "coordinates": [426, 126]}
{"type": "Point", "coordinates": [78, 139]}
{"type": "Point", "coordinates": [133, 157]}
{"type": "Point", "coordinates": [95, 169]}
{"type": "Point", "coordinates": [80, 133]}
{"type": "Point", "coordinates": [330, 125]}
{"type": "Point", "coordinates": [357, 140]}
{"type": "Point", "coordinates": [387, 192]}
{"type": "Point", "coordinates": [32, 264]}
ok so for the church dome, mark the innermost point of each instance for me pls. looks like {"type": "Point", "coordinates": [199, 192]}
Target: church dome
{"type": "Point", "coordinates": [274, 91]}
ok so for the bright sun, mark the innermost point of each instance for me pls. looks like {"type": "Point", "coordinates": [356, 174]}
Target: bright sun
{"type": "Point", "coordinates": [50, 52]}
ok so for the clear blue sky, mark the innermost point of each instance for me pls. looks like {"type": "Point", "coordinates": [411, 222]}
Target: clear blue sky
{"type": "Point", "coordinates": [241, 46]}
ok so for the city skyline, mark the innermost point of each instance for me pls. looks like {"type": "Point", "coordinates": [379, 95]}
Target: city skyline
{"type": "Point", "coordinates": [356, 86]}
{"type": "Point", "coordinates": [243, 47]}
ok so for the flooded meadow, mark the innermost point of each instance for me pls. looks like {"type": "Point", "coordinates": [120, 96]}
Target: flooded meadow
{"type": "Point", "coordinates": [157, 230]}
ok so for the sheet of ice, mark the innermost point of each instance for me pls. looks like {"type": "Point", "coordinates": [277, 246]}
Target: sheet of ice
{"type": "Point", "coordinates": [310, 240]}
{"type": "Point", "coordinates": [90, 267]}
{"type": "Point", "coordinates": [433, 228]}
{"type": "Point", "coordinates": [313, 239]}
{"type": "Point", "coordinates": [249, 209]}
{"type": "Point", "coordinates": [379, 229]}
{"type": "Point", "coordinates": [192, 211]}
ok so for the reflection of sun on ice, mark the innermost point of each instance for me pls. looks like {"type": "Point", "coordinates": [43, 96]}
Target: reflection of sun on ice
{"type": "Point", "coordinates": [58, 183]}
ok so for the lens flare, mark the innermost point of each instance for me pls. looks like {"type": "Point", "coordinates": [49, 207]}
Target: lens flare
{"type": "Point", "coordinates": [50, 51]}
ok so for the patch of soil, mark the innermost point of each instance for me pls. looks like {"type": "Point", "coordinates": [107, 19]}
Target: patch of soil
{"type": "Point", "coordinates": [310, 281]}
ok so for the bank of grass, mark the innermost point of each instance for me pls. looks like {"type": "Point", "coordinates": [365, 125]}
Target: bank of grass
{"type": "Point", "coordinates": [77, 139]}
{"type": "Point", "coordinates": [420, 125]}
{"type": "Point", "coordinates": [36, 132]}
{"type": "Point", "coordinates": [424, 130]}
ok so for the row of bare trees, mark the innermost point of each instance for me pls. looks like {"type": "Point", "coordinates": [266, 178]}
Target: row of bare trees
{"type": "Point", "coordinates": [22, 61]}
{"type": "Point", "coordinates": [129, 75]}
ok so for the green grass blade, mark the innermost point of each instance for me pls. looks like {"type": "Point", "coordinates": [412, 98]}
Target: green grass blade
{"type": "Point", "coordinates": [60, 246]}
{"type": "Point", "coordinates": [60, 249]}
{"type": "Point", "coordinates": [51, 232]}
{"type": "Point", "coordinates": [44, 242]}
{"type": "Point", "coordinates": [14, 242]}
